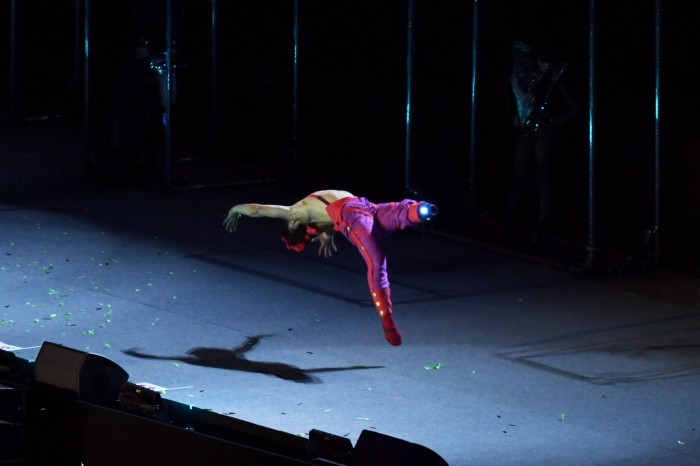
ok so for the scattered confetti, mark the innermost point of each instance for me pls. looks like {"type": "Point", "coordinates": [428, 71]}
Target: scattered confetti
{"type": "Point", "coordinates": [363, 419]}
{"type": "Point", "coordinates": [562, 416]}
{"type": "Point", "coordinates": [433, 367]}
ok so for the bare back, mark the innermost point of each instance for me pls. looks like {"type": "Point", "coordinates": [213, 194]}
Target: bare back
{"type": "Point", "coordinates": [312, 211]}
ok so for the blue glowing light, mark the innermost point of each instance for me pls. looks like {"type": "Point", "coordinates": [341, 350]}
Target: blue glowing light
{"type": "Point", "coordinates": [427, 211]}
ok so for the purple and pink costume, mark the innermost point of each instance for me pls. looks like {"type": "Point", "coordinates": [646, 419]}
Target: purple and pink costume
{"type": "Point", "coordinates": [366, 225]}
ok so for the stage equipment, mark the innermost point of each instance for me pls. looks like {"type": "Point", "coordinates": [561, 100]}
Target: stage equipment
{"type": "Point", "coordinates": [373, 448]}
{"type": "Point", "coordinates": [12, 410]}
{"type": "Point", "coordinates": [87, 376]}
{"type": "Point", "coordinates": [8, 365]}
{"type": "Point", "coordinates": [142, 401]}
{"type": "Point", "coordinates": [591, 245]}
{"type": "Point", "coordinates": [471, 184]}
{"type": "Point", "coordinates": [408, 182]}
{"type": "Point", "coordinates": [655, 240]}
{"type": "Point", "coordinates": [330, 447]}
{"type": "Point", "coordinates": [140, 427]}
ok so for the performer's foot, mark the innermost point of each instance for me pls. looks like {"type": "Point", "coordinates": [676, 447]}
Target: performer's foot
{"type": "Point", "coordinates": [392, 336]}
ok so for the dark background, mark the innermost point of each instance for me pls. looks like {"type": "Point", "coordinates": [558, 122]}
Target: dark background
{"type": "Point", "coordinates": [352, 63]}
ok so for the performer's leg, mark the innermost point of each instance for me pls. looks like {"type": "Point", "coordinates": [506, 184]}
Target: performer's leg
{"type": "Point", "coordinates": [521, 166]}
{"type": "Point", "coordinates": [382, 301]}
{"type": "Point", "coordinates": [378, 281]}
{"type": "Point", "coordinates": [542, 181]}
{"type": "Point", "coordinates": [392, 216]}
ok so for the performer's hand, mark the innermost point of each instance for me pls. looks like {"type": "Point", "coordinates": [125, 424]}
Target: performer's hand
{"type": "Point", "coordinates": [326, 247]}
{"type": "Point", "coordinates": [231, 222]}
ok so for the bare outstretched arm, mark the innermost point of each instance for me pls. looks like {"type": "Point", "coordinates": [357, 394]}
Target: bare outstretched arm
{"type": "Point", "coordinates": [254, 210]}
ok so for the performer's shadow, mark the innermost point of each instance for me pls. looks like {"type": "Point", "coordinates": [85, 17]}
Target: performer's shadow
{"type": "Point", "coordinates": [234, 359]}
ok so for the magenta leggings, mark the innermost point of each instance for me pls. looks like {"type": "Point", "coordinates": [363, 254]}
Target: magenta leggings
{"type": "Point", "coordinates": [366, 225]}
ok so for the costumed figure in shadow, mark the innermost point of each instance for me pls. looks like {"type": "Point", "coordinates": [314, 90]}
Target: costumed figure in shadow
{"type": "Point", "coordinates": [540, 102]}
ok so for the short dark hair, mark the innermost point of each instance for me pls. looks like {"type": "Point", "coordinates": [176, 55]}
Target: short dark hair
{"type": "Point", "coordinates": [295, 239]}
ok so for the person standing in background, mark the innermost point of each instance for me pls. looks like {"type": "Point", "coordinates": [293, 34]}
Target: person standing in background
{"type": "Point", "coordinates": [539, 103]}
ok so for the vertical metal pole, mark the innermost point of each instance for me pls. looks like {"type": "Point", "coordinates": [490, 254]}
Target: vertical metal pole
{"type": "Point", "coordinates": [409, 95]}
{"type": "Point", "coordinates": [214, 120]}
{"type": "Point", "coordinates": [86, 67]}
{"type": "Point", "coordinates": [13, 59]}
{"type": "Point", "coordinates": [472, 131]}
{"type": "Point", "coordinates": [657, 138]}
{"type": "Point", "coordinates": [77, 50]}
{"type": "Point", "coordinates": [592, 50]}
{"type": "Point", "coordinates": [168, 90]}
{"type": "Point", "coordinates": [295, 86]}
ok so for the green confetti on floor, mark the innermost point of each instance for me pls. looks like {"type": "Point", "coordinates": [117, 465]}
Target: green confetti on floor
{"type": "Point", "coordinates": [363, 419]}
{"type": "Point", "coordinates": [433, 367]}
{"type": "Point", "coordinates": [562, 416]}
{"type": "Point", "coordinates": [108, 346]}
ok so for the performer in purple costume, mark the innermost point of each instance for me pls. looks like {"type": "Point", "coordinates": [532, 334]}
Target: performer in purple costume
{"type": "Point", "coordinates": [319, 215]}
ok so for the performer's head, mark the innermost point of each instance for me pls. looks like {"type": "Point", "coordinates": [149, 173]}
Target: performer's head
{"type": "Point", "coordinates": [295, 235]}
{"type": "Point", "coordinates": [545, 58]}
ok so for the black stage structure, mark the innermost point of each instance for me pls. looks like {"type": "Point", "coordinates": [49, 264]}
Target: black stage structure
{"type": "Point", "coordinates": [181, 24]}
{"type": "Point", "coordinates": [61, 408]}
{"type": "Point", "coordinates": [130, 128]}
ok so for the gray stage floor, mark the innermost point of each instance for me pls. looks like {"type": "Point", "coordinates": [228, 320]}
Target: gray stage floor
{"type": "Point", "coordinates": [504, 361]}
